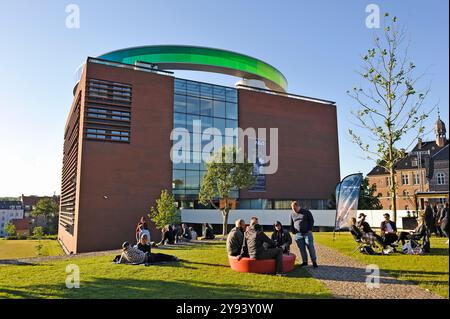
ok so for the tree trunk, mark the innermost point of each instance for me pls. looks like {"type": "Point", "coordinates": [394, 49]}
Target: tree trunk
{"type": "Point", "coordinates": [393, 194]}
{"type": "Point", "coordinates": [225, 213]}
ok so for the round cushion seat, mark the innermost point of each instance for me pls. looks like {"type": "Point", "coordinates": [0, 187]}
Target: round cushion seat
{"type": "Point", "coordinates": [261, 266]}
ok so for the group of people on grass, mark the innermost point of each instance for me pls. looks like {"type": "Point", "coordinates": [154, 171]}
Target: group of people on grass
{"type": "Point", "coordinates": [251, 241]}
{"type": "Point", "coordinates": [426, 225]}
{"type": "Point", "coordinates": [141, 253]}
{"type": "Point", "coordinates": [173, 234]}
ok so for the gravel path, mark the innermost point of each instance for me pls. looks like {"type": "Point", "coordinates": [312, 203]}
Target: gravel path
{"type": "Point", "coordinates": [346, 277]}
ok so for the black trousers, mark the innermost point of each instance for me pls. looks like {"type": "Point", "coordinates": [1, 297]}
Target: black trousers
{"type": "Point", "coordinates": [406, 236]}
{"type": "Point", "coordinates": [155, 258]}
{"type": "Point", "coordinates": [389, 239]}
{"type": "Point", "coordinates": [168, 237]}
{"type": "Point", "coordinates": [272, 253]}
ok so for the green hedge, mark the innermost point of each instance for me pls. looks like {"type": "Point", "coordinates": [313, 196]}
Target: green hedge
{"type": "Point", "coordinates": [51, 237]}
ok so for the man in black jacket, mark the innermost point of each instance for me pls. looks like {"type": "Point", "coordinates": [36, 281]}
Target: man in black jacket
{"type": "Point", "coordinates": [429, 218]}
{"type": "Point", "coordinates": [281, 238]}
{"type": "Point", "coordinates": [235, 238]}
{"type": "Point", "coordinates": [254, 240]}
{"type": "Point", "coordinates": [302, 223]}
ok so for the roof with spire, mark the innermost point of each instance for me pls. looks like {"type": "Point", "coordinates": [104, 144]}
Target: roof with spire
{"type": "Point", "coordinates": [436, 153]}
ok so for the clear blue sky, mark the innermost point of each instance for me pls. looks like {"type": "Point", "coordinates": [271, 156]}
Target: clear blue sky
{"type": "Point", "coordinates": [316, 44]}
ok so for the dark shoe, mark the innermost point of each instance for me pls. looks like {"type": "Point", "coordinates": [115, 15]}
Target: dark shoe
{"type": "Point", "coordinates": [315, 264]}
{"type": "Point", "coordinates": [303, 264]}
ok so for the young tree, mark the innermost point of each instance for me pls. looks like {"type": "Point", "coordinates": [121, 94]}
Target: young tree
{"type": "Point", "coordinates": [48, 209]}
{"type": "Point", "coordinates": [166, 212]}
{"type": "Point", "coordinates": [10, 229]}
{"type": "Point", "coordinates": [391, 107]}
{"type": "Point", "coordinates": [222, 177]}
{"type": "Point", "coordinates": [368, 199]}
{"type": "Point", "coordinates": [38, 233]}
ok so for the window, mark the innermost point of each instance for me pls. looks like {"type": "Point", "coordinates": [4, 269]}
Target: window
{"type": "Point", "coordinates": [405, 179]}
{"type": "Point", "coordinates": [414, 162]}
{"type": "Point", "coordinates": [416, 179]}
{"type": "Point", "coordinates": [405, 194]}
{"type": "Point", "coordinates": [441, 179]}
{"type": "Point", "coordinates": [388, 181]}
{"type": "Point", "coordinates": [216, 107]}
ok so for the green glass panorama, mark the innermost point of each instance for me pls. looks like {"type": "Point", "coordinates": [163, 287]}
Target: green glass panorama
{"type": "Point", "coordinates": [179, 57]}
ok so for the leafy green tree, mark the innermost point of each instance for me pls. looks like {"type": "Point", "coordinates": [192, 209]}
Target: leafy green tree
{"type": "Point", "coordinates": [368, 197]}
{"type": "Point", "coordinates": [48, 209]}
{"type": "Point", "coordinates": [38, 232]}
{"type": "Point", "coordinates": [222, 177]}
{"type": "Point", "coordinates": [10, 229]}
{"type": "Point", "coordinates": [391, 107]}
{"type": "Point", "coordinates": [165, 212]}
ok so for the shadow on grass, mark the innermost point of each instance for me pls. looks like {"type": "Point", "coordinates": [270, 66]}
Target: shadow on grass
{"type": "Point", "coordinates": [149, 289]}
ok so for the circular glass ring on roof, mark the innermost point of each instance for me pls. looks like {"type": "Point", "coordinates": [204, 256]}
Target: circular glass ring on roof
{"type": "Point", "coordinates": [193, 58]}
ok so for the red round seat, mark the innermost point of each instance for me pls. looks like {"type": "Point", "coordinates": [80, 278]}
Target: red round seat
{"type": "Point", "coordinates": [261, 266]}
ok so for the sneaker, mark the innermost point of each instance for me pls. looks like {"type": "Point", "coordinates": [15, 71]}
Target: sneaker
{"type": "Point", "coordinates": [315, 265]}
{"type": "Point", "coordinates": [303, 264]}
{"type": "Point", "coordinates": [281, 274]}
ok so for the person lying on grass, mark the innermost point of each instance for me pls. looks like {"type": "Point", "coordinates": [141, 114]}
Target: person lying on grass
{"type": "Point", "coordinates": [133, 255]}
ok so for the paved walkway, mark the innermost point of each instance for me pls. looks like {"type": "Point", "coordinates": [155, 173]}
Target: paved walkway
{"type": "Point", "coordinates": [346, 277]}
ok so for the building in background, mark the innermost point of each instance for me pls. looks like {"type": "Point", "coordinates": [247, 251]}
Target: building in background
{"type": "Point", "coordinates": [10, 210]}
{"type": "Point", "coordinates": [117, 146]}
{"type": "Point", "coordinates": [424, 169]}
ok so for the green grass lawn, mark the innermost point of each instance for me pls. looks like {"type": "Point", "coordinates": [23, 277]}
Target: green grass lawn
{"type": "Point", "coordinates": [12, 249]}
{"type": "Point", "coordinates": [204, 274]}
{"type": "Point", "coordinates": [430, 271]}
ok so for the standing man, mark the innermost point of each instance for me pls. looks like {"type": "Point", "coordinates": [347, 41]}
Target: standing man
{"type": "Point", "coordinates": [429, 218]}
{"type": "Point", "coordinates": [302, 223]}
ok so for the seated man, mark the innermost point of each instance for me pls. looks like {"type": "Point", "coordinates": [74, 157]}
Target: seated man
{"type": "Point", "coordinates": [168, 235]}
{"type": "Point", "coordinates": [254, 240]}
{"type": "Point", "coordinates": [193, 233]}
{"type": "Point", "coordinates": [388, 231]}
{"type": "Point", "coordinates": [281, 238]}
{"type": "Point", "coordinates": [132, 255]}
{"type": "Point", "coordinates": [186, 233]}
{"type": "Point", "coordinates": [418, 233]}
{"type": "Point", "coordinates": [208, 231]}
{"type": "Point", "coordinates": [235, 238]}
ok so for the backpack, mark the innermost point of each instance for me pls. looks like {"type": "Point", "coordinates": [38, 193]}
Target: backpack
{"type": "Point", "coordinates": [367, 250]}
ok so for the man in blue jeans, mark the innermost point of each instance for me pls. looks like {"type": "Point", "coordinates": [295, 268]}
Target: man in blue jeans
{"type": "Point", "coordinates": [302, 223]}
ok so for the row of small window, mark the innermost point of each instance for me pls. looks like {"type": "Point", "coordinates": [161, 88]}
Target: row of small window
{"type": "Point", "coordinates": [440, 179]}
{"type": "Point", "coordinates": [206, 90]}
{"type": "Point", "coordinates": [108, 135]}
{"type": "Point", "coordinates": [206, 107]}
{"type": "Point", "coordinates": [105, 114]}
{"type": "Point", "coordinates": [109, 85]}
{"type": "Point", "coordinates": [110, 92]}
{"type": "Point", "coordinates": [106, 96]}
{"type": "Point", "coordinates": [187, 121]}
